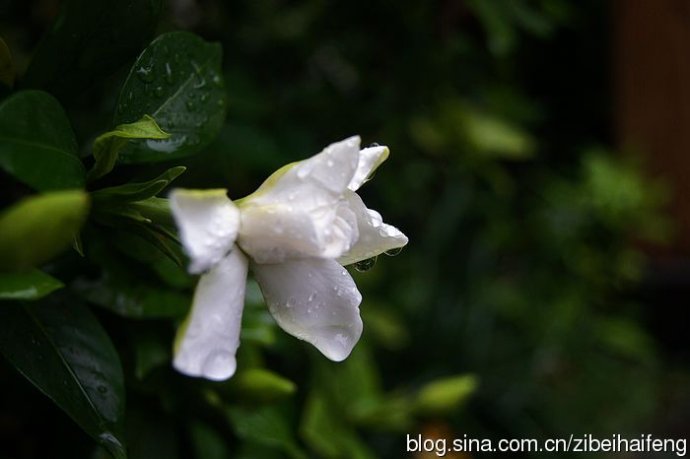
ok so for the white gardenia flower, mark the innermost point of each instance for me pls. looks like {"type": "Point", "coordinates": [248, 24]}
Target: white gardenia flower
{"type": "Point", "coordinates": [295, 233]}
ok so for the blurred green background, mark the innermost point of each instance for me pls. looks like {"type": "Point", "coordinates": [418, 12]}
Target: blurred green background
{"type": "Point", "coordinates": [525, 304]}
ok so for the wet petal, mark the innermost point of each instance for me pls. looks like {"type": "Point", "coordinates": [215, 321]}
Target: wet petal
{"type": "Point", "coordinates": [369, 160]}
{"type": "Point", "coordinates": [375, 236]}
{"type": "Point", "coordinates": [272, 234]}
{"type": "Point", "coordinates": [314, 300]}
{"type": "Point", "coordinates": [208, 339]}
{"type": "Point", "coordinates": [313, 182]}
{"type": "Point", "coordinates": [208, 224]}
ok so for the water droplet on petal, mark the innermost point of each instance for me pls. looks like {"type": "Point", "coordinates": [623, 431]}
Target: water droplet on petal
{"type": "Point", "coordinates": [393, 252]}
{"type": "Point", "coordinates": [372, 145]}
{"type": "Point", "coordinates": [365, 265]}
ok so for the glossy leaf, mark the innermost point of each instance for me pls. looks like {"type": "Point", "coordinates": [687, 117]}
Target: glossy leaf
{"type": "Point", "coordinates": [37, 144]}
{"type": "Point", "coordinates": [39, 227]}
{"type": "Point", "coordinates": [88, 41]}
{"type": "Point", "coordinates": [29, 285]}
{"type": "Point", "coordinates": [178, 81]}
{"type": "Point", "coordinates": [107, 146]}
{"type": "Point", "coordinates": [64, 352]}
{"type": "Point", "coordinates": [138, 191]}
{"type": "Point", "coordinates": [6, 65]}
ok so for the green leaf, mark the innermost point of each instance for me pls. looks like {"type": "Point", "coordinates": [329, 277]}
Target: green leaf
{"type": "Point", "coordinates": [30, 285]}
{"type": "Point", "coordinates": [39, 227]}
{"type": "Point", "coordinates": [493, 137]}
{"type": "Point", "coordinates": [6, 66]}
{"type": "Point", "coordinates": [262, 385]}
{"type": "Point", "coordinates": [445, 395]}
{"type": "Point", "coordinates": [178, 81]}
{"type": "Point", "coordinates": [37, 144]}
{"type": "Point", "coordinates": [131, 192]}
{"type": "Point", "coordinates": [107, 146]}
{"type": "Point", "coordinates": [88, 41]}
{"type": "Point", "coordinates": [62, 350]}
{"type": "Point", "coordinates": [128, 297]}
{"type": "Point", "coordinates": [267, 426]}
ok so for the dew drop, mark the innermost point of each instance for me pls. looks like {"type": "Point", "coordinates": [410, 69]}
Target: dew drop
{"type": "Point", "coordinates": [102, 389]}
{"type": "Point", "coordinates": [145, 74]}
{"type": "Point", "coordinates": [168, 73]}
{"type": "Point", "coordinates": [393, 252]}
{"type": "Point", "coordinates": [365, 265]}
{"type": "Point", "coordinates": [158, 91]}
{"type": "Point", "coordinates": [373, 144]}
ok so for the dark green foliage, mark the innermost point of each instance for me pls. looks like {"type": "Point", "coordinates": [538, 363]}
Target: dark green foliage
{"type": "Point", "coordinates": [66, 354]}
{"type": "Point", "coordinates": [37, 143]}
{"type": "Point", "coordinates": [512, 313]}
{"type": "Point", "coordinates": [176, 80]}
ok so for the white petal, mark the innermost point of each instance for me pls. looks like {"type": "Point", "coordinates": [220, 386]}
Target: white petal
{"type": "Point", "coordinates": [316, 301]}
{"type": "Point", "coordinates": [208, 224]}
{"type": "Point", "coordinates": [272, 234]}
{"type": "Point", "coordinates": [207, 341]}
{"type": "Point", "coordinates": [369, 160]}
{"type": "Point", "coordinates": [375, 237]}
{"type": "Point", "coordinates": [299, 211]}
{"type": "Point", "coordinates": [314, 181]}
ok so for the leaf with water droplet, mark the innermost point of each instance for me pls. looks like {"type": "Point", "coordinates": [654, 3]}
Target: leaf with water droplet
{"type": "Point", "coordinates": [177, 94]}
{"type": "Point", "coordinates": [365, 265]}
{"type": "Point", "coordinates": [61, 349]}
